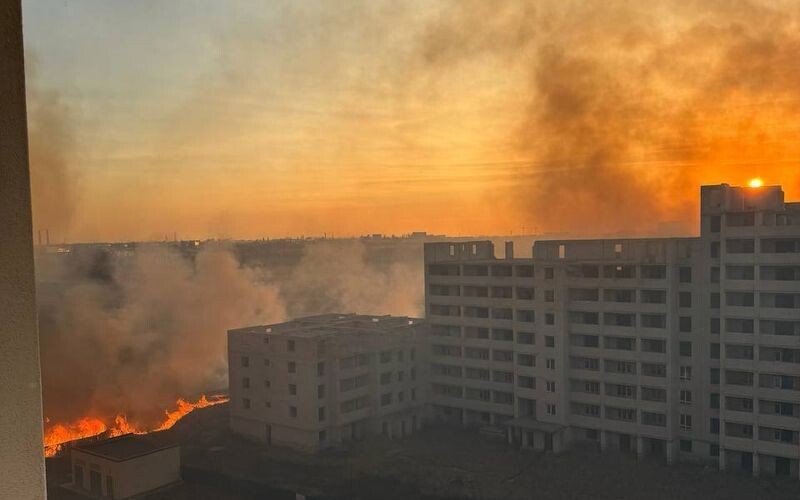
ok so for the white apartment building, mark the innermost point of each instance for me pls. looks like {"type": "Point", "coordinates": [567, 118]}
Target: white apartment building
{"type": "Point", "coordinates": [687, 348]}
{"type": "Point", "coordinates": [318, 381]}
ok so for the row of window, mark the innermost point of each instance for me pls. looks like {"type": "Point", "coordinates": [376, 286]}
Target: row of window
{"type": "Point", "coordinates": [767, 245]}
{"type": "Point", "coordinates": [494, 292]}
{"type": "Point", "coordinates": [483, 353]}
{"type": "Point", "coordinates": [497, 376]}
{"type": "Point", "coordinates": [630, 415]}
{"type": "Point", "coordinates": [765, 380]}
{"type": "Point", "coordinates": [626, 391]}
{"type": "Point", "coordinates": [479, 394]}
{"type": "Point", "coordinates": [496, 270]}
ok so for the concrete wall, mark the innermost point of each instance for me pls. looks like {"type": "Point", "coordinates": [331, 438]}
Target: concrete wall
{"type": "Point", "coordinates": [131, 477]}
{"type": "Point", "coordinates": [21, 453]}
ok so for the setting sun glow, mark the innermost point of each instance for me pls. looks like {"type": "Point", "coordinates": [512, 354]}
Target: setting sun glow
{"type": "Point", "coordinates": [756, 183]}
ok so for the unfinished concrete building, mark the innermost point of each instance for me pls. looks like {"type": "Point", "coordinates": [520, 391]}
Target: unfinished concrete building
{"type": "Point", "coordinates": [687, 348]}
{"type": "Point", "coordinates": [319, 381]}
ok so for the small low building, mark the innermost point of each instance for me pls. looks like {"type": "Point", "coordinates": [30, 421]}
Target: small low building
{"type": "Point", "coordinates": [125, 466]}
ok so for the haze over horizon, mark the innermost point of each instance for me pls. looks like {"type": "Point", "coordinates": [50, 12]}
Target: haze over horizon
{"type": "Point", "coordinates": [250, 119]}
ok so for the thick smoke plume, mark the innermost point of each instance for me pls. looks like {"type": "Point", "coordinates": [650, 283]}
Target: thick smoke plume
{"type": "Point", "coordinates": [627, 106]}
{"type": "Point", "coordinates": [130, 332]}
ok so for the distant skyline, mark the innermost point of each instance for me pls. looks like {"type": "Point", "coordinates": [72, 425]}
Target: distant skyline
{"type": "Point", "coordinates": [249, 119]}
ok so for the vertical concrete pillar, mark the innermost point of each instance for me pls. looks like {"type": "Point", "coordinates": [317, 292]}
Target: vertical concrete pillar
{"type": "Point", "coordinates": [639, 447]}
{"type": "Point", "coordinates": [756, 466]}
{"type": "Point", "coordinates": [670, 449]}
{"type": "Point", "coordinates": [510, 436]}
{"type": "Point", "coordinates": [21, 452]}
{"type": "Point", "coordinates": [722, 459]}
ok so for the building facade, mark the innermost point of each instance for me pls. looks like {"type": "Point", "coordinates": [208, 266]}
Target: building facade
{"type": "Point", "coordinates": [319, 381]}
{"type": "Point", "coordinates": [686, 348]}
{"type": "Point", "coordinates": [126, 466]}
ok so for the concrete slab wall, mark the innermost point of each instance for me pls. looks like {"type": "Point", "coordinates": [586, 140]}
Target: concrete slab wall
{"type": "Point", "coordinates": [21, 453]}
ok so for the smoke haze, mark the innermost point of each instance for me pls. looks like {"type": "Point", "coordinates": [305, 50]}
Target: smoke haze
{"type": "Point", "coordinates": [629, 106]}
{"type": "Point", "coordinates": [131, 332]}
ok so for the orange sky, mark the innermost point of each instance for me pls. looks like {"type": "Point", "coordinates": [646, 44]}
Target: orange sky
{"type": "Point", "coordinates": [466, 117]}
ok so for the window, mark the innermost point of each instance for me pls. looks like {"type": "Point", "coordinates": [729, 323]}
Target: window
{"type": "Point", "coordinates": [320, 391]}
{"type": "Point", "coordinates": [686, 373]}
{"type": "Point", "coordinates": [713, 425]}
{"type": "Point", "coordinates": [686, 422]}
{"type": "Point", "coordinates": [715, 249]}
{"type": "Point", "coordinates": [267, 383]}
{"type": "Point", "coordinates": [714, 325]}
{"type": "Point", "coordinates": [549, 296]}
{"type": "Point", "coordinates": [549, 319]}
{"type": "Point", "coordinates": [525, 338]}
{"type": "Point", "coordinates": [686, 397]}
{"type": "Point", "coordinates": [290, 345]}
{"type": "Point", "coordinates": [713, 401]}
{"type": "Point", "coordinates": [685, 274]}
{"type": "Point", "coordinates": [293, 411]}
{"type": "Point", "coordinates": [245, 361]}
{"type": "Point", "coordinates": [413, 374]}
{"type": "Point", "coordinates": [551, 386]}
{"type": "Point", "coordinates": [714, 300]}
{"type": "Point", "coordinates": [386, 378]}
{"type": "Point", "coordinates": [686, 349]}
{"type": "Point", "coordinates": [386, 399]}
{"type": "Point", "coordinates": [400, 396]}
{"type": "Point", "coordinates": [245, 383]}
{"type": "Point", "coordinates": [323, 435]}
{"type": "Point", "coordinates": [526, 382]}
{"type": "Point", "coordinates": [713, 450]}
{"type": "Point", "coordinates": [716, 222]}
{"type": "Point", "coordinates": [551, 410]}
{"type": "Point", "coordinates": [321, 414]}
{"type": "Point", "coordinates": [548, 273]}
{"type": "Point", "coordinates": [246, 403]}
{"type": "Point", "coordinates": [685, 324]}
{"type": "Point", "coordinates": [292, 390]}
{"type": "Point", "coordinates": [549, 341]}
{"type": "Point", "coordinates": [292, 367]}
{"type": "Point", "coordinates": [400, 375]}
{"type": "Point", "coordinates": [267, 404]}
{"type": "Point", "coordinates": [321, 369]}
{"type": "Point", "coordinates": [714, 375]}
{"type": "Point", "coordinates": [686, 446]}
{"type": "Point", "coordinates": [562, 251]}
{"type": "Point", "coordinates": [386, 356]}
{"type": "Point", "coordinates": [685, 299]}
{"type": "Point", "coordinates": [266, 361]}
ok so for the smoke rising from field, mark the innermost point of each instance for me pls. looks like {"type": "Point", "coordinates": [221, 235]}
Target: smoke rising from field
{"type": "Point", "coordinates": [629, 105]}
{"type": "Point", "coordinates": [130, 333]}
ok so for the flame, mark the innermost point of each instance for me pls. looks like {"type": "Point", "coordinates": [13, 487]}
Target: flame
{"type": "Point", "coordinates": [57, 434]}
{"type": "Point", "coordinates": [756, 183]}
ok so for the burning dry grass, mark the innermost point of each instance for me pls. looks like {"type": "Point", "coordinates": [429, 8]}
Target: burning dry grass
{"type": "Point", "coordinates": [57, 434]}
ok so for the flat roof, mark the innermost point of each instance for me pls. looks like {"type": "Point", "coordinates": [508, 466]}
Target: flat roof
{"type": "Point", "coordinates": [324, 325]}
{"type": "Point", "coordinates": [127, 446]}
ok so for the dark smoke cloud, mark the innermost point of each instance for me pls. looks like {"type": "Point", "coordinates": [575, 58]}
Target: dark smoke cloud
{"type": "Point", "coordinates": [151, 330]}
{"type": "Point", "coordinates": [631, 104]}
{"type": "Point", "coordinates": [131, 332]}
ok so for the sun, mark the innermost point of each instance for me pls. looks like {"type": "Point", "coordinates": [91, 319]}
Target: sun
{"type": "Point", "coordinates": [756, 183]}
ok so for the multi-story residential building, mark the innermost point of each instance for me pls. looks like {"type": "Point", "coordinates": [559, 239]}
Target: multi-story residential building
{"type": "Point", "coordinates": [684, 347]}
{"type": "Point", "coordinates": [318, 381]}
